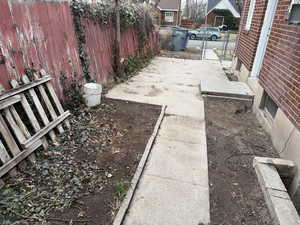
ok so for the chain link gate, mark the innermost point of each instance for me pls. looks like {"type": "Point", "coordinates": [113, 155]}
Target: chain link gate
{"type": "Point", "coordinates": [218, 50]}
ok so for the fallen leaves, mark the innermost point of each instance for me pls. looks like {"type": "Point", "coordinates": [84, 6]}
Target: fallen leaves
{"type": "Point", "coordinates": [89, 166]}
{"type": "Point", "coordinates": [58, 178]}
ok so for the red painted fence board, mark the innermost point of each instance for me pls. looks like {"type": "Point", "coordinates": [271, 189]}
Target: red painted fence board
{"type": "Point", "coordinates": [99, 45]}
{"type": "Point", "coordinates": [41, 34]}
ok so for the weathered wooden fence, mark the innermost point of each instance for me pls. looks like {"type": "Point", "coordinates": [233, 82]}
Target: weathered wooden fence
{"type": "Point", "coordinates": [30, 115]}
{"type": "Point", "coordinates": [41, 34]}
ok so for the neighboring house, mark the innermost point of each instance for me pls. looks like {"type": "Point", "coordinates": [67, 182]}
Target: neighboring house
{"type": "Point", "coordinates": [267, 57]}
{"type": "Point", "coordinates": [221, 12]}
{"type": "Point", "coordinates": [170, 12]}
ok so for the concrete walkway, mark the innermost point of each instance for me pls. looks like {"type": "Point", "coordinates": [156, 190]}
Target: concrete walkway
{"type": "Point", "coordinates": [210, 54]}
{"type": "Point", "coordinates": [173, 189]}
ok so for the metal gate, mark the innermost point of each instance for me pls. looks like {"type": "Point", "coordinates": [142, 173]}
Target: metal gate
{"type": "Point", "coordinates": [221, 49]}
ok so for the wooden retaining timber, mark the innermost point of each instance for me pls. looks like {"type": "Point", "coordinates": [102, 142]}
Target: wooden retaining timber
{"type": "Point", "coordinates": [30, 114]}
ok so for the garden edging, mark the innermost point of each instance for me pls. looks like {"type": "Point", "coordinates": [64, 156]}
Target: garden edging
{"type": "Point", "coordinates": [135, 180]}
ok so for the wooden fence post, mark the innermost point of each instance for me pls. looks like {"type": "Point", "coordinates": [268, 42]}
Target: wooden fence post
{"type": "Point", "coordinates": [118, 68]}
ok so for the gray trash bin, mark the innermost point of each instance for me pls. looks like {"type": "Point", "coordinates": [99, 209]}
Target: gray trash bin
{"type": "Point", "coordinates": [179, 39]}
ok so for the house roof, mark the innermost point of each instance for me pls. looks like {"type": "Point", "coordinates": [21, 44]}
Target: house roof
{"type": "Point", "coordinates": [168, 5]}
{"type": "Point", "coordinates": [223, 4]}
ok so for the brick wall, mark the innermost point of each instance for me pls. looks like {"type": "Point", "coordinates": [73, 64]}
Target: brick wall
{"type": "Point", "coordinates": [248, 40]}
{"type": "Point", "coordinates": [280, 74]}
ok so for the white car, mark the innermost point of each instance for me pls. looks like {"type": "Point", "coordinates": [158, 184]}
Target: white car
{"type": "Point", "coordinates": [211, 33]}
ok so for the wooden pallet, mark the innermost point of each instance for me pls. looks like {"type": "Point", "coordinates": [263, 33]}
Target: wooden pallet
{"type": "Point", "coordinates": [31, 115]}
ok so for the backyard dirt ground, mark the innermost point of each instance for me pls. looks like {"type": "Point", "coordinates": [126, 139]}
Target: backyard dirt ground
{"type": "Point", "coordinates": [83, 177]}
{"type": "Point", "coordinates": [234, 137]}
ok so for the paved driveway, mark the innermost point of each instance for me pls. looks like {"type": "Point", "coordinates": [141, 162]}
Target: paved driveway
{"type": "Point", "coordinates": [173, 189]}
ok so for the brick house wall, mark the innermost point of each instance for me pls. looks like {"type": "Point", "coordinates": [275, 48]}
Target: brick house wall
{"type": "Point", "coordinates": [280, 74]}
{"type": "Point", "coordinates": [279, 78]}
{"type": "Point", "coordinates": [248, 40]}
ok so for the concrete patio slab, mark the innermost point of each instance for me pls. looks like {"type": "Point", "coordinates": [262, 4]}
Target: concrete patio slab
{"type": "Point", "coordinates": [191, 130]}
{"type": "Point", "coordinates": [184, 108]}
{"type": "Point", "coordinates": [210, 55]}
{"type": "Point", "coordinates": [175, 79]}
{"type": "Point", "coordinates": [174, 186]}
{"type": "Point", "coordinates": [187, 87]}
{"type": "Point", "coordinates": [165, 66]}
{"type": "Point", "coordinates": [179, 161]}
{"type": "Point", "coordinates": [168, 202]}
{"type": "Point", "coordinates": [159, 90]}
{"type": "Point", "coordinates": [179, 103]}
{"type": "Point", "coordinates": [227, 64]}
{"type": "Point", "coordinates": [226, 88]}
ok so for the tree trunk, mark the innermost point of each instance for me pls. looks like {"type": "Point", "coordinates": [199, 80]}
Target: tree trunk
{"type": "Point", "coordinates": [178, 14]}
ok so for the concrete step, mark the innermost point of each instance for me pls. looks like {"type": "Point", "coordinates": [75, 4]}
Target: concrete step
{"type": "Point", "coordinates": [226, 88]}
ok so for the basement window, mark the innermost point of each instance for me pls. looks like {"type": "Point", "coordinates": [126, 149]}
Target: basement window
{"type": "Point", "coordinates": [294, 12]}
{"type": "Point", "coordinates": [250, 15]}
{"type": "Point", "coordinates": [269, 105]}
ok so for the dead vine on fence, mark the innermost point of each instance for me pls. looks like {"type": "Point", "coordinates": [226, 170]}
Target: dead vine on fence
{"type": "Point", "coordinates": [131, 16]}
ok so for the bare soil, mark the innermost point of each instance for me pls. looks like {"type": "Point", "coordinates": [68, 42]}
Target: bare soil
{"type": "Point", "coordinates": [234, 137]}
{"type": "Point", "coordinates": [82, 178]}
